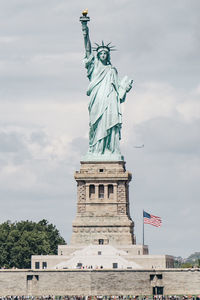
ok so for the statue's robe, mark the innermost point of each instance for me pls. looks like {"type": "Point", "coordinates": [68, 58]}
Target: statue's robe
{"type": "Point", "coordinates": [104, 107]}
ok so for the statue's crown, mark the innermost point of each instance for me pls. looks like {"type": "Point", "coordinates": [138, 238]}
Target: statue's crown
{"type": "Point", "coordinates": [104, 47]}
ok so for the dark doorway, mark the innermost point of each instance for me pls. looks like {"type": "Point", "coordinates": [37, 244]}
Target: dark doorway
{"type": "Point", "coordinates": [158, 290]}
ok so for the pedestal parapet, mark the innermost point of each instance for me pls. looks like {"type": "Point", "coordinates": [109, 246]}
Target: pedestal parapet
{"type": "Point", "coordinates": [103, 215]}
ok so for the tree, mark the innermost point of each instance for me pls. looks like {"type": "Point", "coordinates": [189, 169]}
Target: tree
{"type": "Point", "coordinates": [186, 265]}
{"type": "Point", "coordinates": [20, 240]}
{"type": "Point", "coordinates": [193, 258]}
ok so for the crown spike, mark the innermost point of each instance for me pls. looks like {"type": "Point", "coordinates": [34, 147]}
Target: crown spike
{"type": "Point", "coordinates": [103, 46]}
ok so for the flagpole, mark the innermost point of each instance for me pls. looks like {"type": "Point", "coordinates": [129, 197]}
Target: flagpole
{"type": "Point", "coordinates": [143, 226]}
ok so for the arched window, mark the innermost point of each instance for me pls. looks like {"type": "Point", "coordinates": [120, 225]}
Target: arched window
{"type": "Point", "coordinates": [110, 190]}
{"type": "Point", "coordinates": [101, 191]}
{"type": "Point", "coordinates": [101, 241]}
{"type": "Point", "coordinates": [91, 190]}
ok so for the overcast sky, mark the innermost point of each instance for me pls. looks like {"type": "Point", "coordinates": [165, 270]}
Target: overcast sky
{"type": "Point", "coordinates": [44, 117]}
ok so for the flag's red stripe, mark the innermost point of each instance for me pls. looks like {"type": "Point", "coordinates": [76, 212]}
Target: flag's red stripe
{"type": "Point", "coordinates": [154, 220]}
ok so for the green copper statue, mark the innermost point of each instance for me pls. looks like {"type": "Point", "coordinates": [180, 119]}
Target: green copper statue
{"type": "Point", "coordinates": [106, 93]}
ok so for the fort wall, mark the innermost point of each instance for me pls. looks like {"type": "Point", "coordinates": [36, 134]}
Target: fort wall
{"type": "Point", "coordinates": [98, 282]}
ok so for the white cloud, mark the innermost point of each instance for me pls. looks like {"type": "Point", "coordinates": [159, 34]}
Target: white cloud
{"type": "Point", "coordinates": [19, 177]}
{"type": "Point", "coordinates": [8, 39]}
{"type": "Point", "coordinates": [190, 109]}
{"type": "Point", "coordinates": [151, 100]}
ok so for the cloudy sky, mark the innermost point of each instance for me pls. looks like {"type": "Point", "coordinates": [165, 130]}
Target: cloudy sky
{"type": "Point", "coordinates": [44, 117]}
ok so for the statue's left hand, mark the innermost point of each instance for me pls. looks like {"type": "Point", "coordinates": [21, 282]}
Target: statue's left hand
{"type": "Point", "coordinates": [129, 85]}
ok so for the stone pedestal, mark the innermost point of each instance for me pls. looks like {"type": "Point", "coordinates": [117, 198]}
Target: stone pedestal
{"type": "Point", "coordinates": [103, 205]}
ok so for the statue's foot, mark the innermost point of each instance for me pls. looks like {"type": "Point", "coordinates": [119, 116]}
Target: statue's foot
{"type": "Point", "coordinates": [107, 156]}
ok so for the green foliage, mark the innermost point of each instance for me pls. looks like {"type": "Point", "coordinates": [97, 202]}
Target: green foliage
{"type": "Point", "coordinates": [186, 265]}
{"type": "Point", "coordinates": [177, 263]}
{"type": "Point", "coordinates": [192, 261]}
{"type": "Point", "coordinates": [198, 262]}
{"type": "Point", "coordinates": [20, 240]}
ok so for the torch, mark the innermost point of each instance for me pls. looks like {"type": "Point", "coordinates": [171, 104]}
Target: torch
{"type": "Point", "coordinates": [84, 18]}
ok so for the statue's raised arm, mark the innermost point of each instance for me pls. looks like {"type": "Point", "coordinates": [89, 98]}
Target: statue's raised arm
{"type": "Point", "coordinates": [106, 94]}
{"type": "Point", "coordinates": [84, 19]}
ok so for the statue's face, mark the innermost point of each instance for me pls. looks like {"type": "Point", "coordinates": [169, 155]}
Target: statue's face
{"type": "Point", "coordinates": [103, 55]}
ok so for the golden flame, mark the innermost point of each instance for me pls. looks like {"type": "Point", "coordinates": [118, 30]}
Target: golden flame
{"type": "Point", "coordinates": [85, 12]}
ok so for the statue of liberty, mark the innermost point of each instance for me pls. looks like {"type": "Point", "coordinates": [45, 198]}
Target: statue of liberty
{"type": "Point", "coordinates": [106, 93]}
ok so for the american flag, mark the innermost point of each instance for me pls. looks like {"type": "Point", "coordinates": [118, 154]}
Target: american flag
{"type": "Point", "coordinates": [152, 220]}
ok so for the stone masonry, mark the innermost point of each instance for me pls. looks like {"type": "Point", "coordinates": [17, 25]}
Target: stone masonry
{"type": "Point", "coordinates": [103, 205]}
{"type": "Point", "coordinates": [99, 282]}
